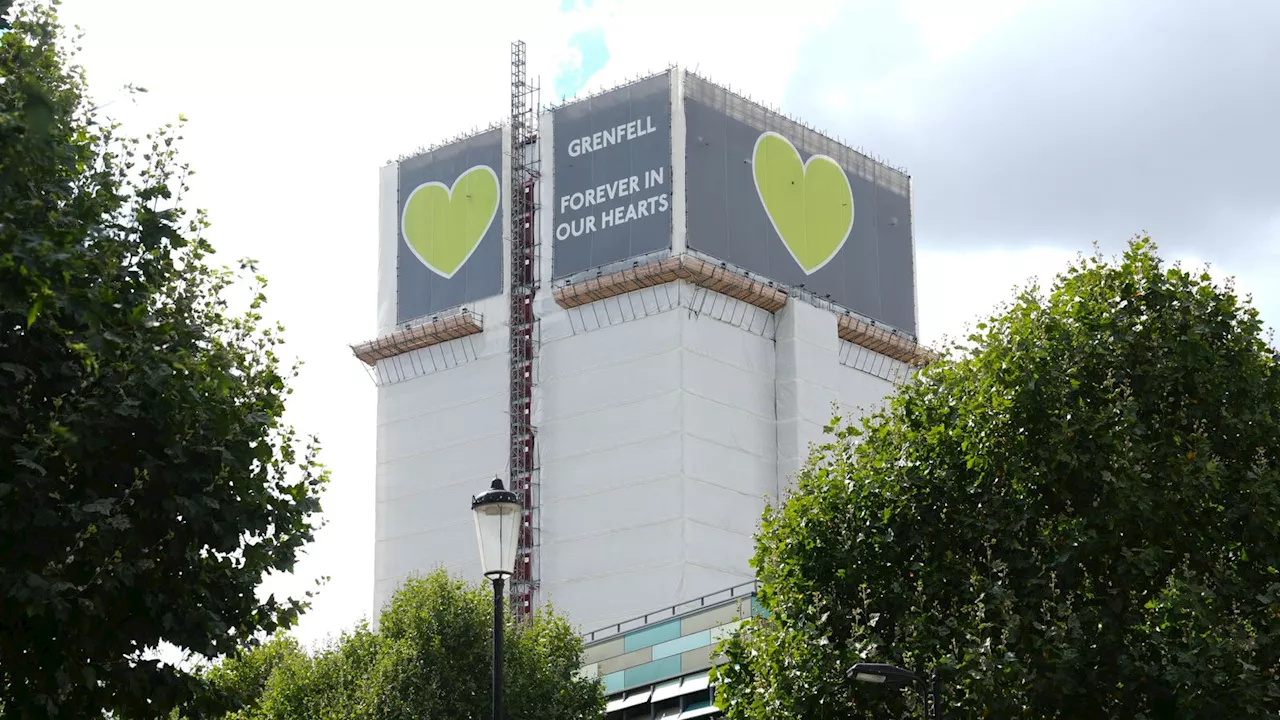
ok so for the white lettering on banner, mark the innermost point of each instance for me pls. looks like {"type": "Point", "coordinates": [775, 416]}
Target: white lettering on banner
{"type": "Point", "coordinates": [602, 193]}
{"type": "Point", "coordinates": [617, 201]}
{"type": "Point", "coordinates": [612, 217]}
{"type": "Point", "coordinates": [603, 139]}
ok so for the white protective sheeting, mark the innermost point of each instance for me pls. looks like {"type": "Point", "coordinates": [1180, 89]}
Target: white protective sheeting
{"type": "Point", "coordinates": [720, 380]}
{"type": "Point", "coordinates": [486, 377]}
{"type": "Point", "coordinates": [807, 344]}
{"type": "Point", "coordinates": [407, 476]}
{"type": "Point", "coordinates": [679, 137]}
{"type": "Point", "coordinates": [731, 509]}
{"type": "Point", "coordinates": [607, 512]}
{"type": "Point", "coordinates": [861, 392]}
{"type": "Point", "coordinates": [661, 434]}
{"type": "Point", "coordinates": [729, 344]}
{"type": "Point", "coordinates": [702, 580]}
{"type": "Point", "coordinates": [388, 237]}
{"type": "Point", "coordinates": [575, 354]}
{"type": "Point", "coordinates": [750, 473]}
{"type": "Point", "coordinates": [597, 602]}
{"type": "Point", "coordinates": [627, 549]}
{"type": "Point", "coordinates": [728, 426]}
{"type": "Point", "coordinates": [622, 383]}
{"type": "Point", "coordinates": [615, 469]}
{"type": "Point", "coordinates": [441, 438]}
{"type": "Point", "coordinates": [440, 429]}
{"type": "Point", "coordinates": [718, 549]}
{"type": "Point", "coordinates": [610, 427]}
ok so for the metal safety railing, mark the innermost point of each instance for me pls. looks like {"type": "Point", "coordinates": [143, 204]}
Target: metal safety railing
{"type": "Point", "coordinates": [710, 600]}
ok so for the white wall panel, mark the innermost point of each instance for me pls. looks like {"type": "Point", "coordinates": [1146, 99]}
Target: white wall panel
{"type": "Point", "coordinates": [715, 379]}
{"type": "Point", "coordinates": [388, 237]}
{"type": "Point", "coordinates": [605, 554]}
{"type": "Point", "coordinates": [438, 392]}
{"type": "Point", "coordinates": [634, 462]}
{"type": "Point", "coordinates": [595, 602]}
{"type": "Point", "coordinates": [438, 430]}
{"type": "Point", "coordinates": [702, 580]}
{"type": "Point", "coordinates": [442, 505]}
{"type": "Point", "coordinates": [717, 548]}
{"type": "Point", "coordinates": [610, 428]}
{"type": "Point", "coordinates": [721, 507]}
{"type": "Point", "coordinates": [383, 588]}
{"type": "Point", "coordinates": [861, 390]}
{"type": "Point", "coordinates": [799, 359]}
{"type": "Point", "coordinates": [634, 505]}
{"type": "Point", "coordinates": [729, 426]}
{"type": "Point", "coordinates": [610, 385]}
{"type": "Point", "coordinates": [743, 472]}
{"type": "Point", "coordinates": [452, 545]}
{"type": "Point", "coordinates": [730, 345]}
{"type": "Point", "coordinates": [794, 437]}
{"type": "Point", "coordinates": [648, 336]}
{"type": "Point", "coordinates": [807, 400]}
{"type": "Point", "coordinates": [478, 460]}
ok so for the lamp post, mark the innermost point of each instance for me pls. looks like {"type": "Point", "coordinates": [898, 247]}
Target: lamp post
{"type": "Point", "coordinates": [894, 676]}
{"type": "Point", "coordinates": [497, 516]}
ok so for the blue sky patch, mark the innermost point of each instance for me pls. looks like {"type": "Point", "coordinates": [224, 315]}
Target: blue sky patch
{"type": "Point", "coordinates": [591, 46]}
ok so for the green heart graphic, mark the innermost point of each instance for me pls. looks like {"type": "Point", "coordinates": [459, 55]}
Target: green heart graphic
{"type": "Point", "coordinates": [809, 204]}
{"type": "Point", "coordinates": [443, 226]}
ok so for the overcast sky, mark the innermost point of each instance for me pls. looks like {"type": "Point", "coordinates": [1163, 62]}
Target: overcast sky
{"type": "Point", "coordinates": [1032, 130]}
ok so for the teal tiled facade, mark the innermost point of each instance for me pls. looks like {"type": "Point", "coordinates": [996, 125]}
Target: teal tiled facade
{"type": "Point", "coordinates": [652, 635]}
{"type": "Point", "coordinates": [668, 649]}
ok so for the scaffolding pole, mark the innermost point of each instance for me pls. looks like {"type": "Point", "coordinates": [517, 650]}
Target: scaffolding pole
{"type": "Point", "coordinates": [524, 330]}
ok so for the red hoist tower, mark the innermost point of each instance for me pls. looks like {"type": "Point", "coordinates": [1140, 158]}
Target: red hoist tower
{"type": "Point", "coordinates": [524, 326]}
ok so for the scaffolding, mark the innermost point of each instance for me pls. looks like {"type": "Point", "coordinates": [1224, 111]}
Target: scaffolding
{"type": "Point", "coordinates": [524, 326]}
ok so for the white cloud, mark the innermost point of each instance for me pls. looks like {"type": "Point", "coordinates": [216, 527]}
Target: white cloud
{"type": "Point", "coordinates": [748, 44]}
{"type": "Point", "coordinates": [958, 288]}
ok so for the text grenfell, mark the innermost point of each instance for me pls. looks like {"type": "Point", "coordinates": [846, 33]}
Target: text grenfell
{"type": "Point", "coordinates": [612, 136]}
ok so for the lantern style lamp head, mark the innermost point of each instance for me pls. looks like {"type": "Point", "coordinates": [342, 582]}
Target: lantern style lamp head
{"type": "Point", "coordinates": [497, 515]}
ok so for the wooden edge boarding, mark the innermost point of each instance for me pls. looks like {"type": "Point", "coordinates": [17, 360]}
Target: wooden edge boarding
{"type": "Point", "coordinates": [754, 292]}
{"type": "Point", "coordinates": [682, 267]}
{"type": "Point", "coordinates": [884, 341]}
{"type": "Point", "coordinates": [433, 333]}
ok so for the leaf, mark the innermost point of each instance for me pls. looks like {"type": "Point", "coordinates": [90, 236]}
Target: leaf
{"type": "Point", "coordinates": [24, 462]}
{"type": "Point", "coordinates": [34, 311]}
{"type": "Point", "coordinates": [101, 507]}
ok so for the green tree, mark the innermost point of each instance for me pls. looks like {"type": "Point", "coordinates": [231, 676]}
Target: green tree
{"type": "Point", "coordinates": [430, 658]}
{"type": "Point", "coordinates": [147, 482]}
{"type": "Point", "coordinates": [1076, 514]}
{"type": "Point", "coordinates": [240, 680]}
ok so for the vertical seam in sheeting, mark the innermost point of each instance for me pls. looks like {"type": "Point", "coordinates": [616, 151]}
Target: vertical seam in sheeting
{"type": "Point", "coordinates": [684, 471]}
{"type": "Point", "coordinates": [777, 422]}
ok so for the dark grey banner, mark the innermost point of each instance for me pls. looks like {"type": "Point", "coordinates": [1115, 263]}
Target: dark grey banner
{"type": "Point", "coordinates": [612, 177]}
{"type": "Point", "coordinates": [450, 206]}
{"type": "Point", "coordinates": [798, 208]}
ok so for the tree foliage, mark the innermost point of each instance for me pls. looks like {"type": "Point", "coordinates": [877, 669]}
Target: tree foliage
{"type": "Point", "coordinates": [148, 481]}
{"type": "Point", "coordinates": [1076, 514]}
{"type": "Point", "coordinates": [429, 658]}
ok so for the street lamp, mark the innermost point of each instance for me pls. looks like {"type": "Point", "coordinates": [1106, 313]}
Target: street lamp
{"type": "Point", "coordinates": [497, 515]}
{"type": "Point", "coordinates": [894, 676]}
